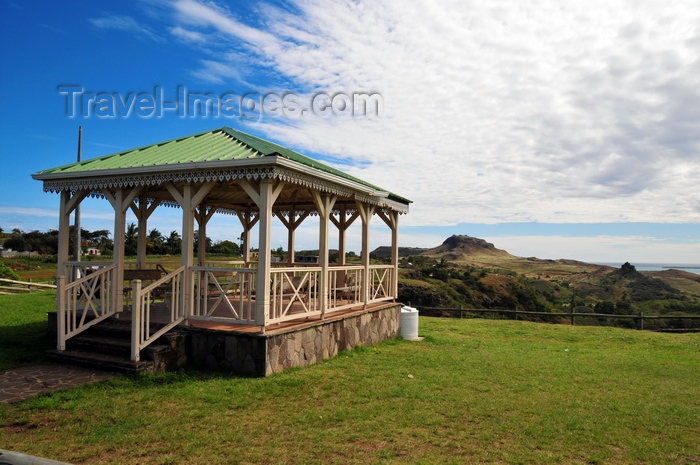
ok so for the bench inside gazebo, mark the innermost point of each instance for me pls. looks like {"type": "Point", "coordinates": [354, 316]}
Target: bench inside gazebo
{"type": "Point", "coordinates": [252, 316]}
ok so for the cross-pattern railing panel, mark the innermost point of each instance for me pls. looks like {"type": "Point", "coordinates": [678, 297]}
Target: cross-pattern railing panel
{"type": "Point", "coordinates": [381, 283]}
{"type": "Point", "coordinates": [294, 293]}
{"type": "Point", "coordinates": [85, 301]}
{"type": "Point", "coordinates": [224, 294]}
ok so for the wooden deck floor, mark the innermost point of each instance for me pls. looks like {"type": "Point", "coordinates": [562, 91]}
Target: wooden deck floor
{"type": "Point", "coordinates": [160, 314]}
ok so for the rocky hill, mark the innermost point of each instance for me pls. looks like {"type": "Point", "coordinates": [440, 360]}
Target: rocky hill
{"type": "Point", "coordinates": [466, 272]}
{"type": "Point", "coordinates": [457, 247]}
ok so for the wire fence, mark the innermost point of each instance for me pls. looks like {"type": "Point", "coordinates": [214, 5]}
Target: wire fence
{"type": "Point", "coordinates": [667, 323]}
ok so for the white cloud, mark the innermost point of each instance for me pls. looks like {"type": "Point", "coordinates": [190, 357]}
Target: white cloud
{"type": "Point", "coordinates": [187, 35]}
{"type": "Point", "coordinates": [639, 249]}
{"type": "Point", "coordinates": [495, 111]}
{"type": "Point", "coordinates": [126, 24]}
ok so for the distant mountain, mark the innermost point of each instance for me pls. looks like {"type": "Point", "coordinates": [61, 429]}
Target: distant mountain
{"type": "Point", "coordinates": [385, 251]}
{"type": "Point", "coordinates": [456, 247]}
{"type": "Point", "coordinates": [638, 286]}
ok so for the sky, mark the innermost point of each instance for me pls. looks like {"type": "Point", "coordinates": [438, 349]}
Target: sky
{"type": "Point", "coordinates": [553, 129]}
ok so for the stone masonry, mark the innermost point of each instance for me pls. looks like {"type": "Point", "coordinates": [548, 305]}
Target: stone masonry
{"type": "Point", "coordinates": [277, 351]}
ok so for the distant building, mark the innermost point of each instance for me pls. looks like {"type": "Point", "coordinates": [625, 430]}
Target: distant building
{"type": "Point", "coordinates": [307, 259]}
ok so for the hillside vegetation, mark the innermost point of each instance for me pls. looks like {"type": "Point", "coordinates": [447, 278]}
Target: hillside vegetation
{"type": "Point", "coordinates": [472, 273]}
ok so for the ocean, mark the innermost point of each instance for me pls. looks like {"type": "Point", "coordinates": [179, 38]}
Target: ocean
{"type": "Point", "coordinates": [657, 266]}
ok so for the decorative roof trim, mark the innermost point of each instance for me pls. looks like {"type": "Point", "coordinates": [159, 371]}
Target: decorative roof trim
{"type": "Point", "coordinates": [323, 184]}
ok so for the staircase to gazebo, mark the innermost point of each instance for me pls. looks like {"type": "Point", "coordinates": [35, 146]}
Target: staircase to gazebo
{"type": "Point", "coordinates": [107, 345]}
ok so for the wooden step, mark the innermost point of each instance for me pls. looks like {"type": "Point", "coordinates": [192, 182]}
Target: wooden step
{"type": "Point", "coordinates": [100, 361]}
{"type": "Point", "coordinates": [107, 346]}
{"type": "Point", "coordinates": [99, 344]}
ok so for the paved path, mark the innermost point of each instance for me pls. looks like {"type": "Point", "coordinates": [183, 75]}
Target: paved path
{"type": "Point", "coordinates": [22, 383]}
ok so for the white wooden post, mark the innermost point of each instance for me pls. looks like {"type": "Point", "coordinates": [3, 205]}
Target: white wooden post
{"type": "Point", "coordinates": [292, 224]}
{"type": "Point", "coordinates": [143, 211]}
{"type": "Point", "coordinates": [61, 312]}
{"type": "Point", "coordinates": [188, 201]}
{"type": "Point", "coordinates": [291, 233]}
{"type": "Point", "coordinates": [142, 237]}
{"type": "Point", "coordinates": [136, 321]}
{"type": "Point", "coordinates": [391, 218]}
{"type": "Point", "coordinates": [366, 212]}
{"type": "Point", "coordinates": [343, 223]}
{"type": "Point", "coordinates": [324, 204]}
{"type": "Point", "coordinates": [262, 288]}
{"type": "Point", "coordinates": [118, 250]}
{"type": "Point", "coordinates": [395, 252]}
{"type": "Point", "coordinates": [341, 235]}
{"type": "Point", "coordinates": [187, 252]}
{"type": "Point", "coordinates": [63, 234]}
{"type": "Point", "coordinates": [247, 223]}
{"type": "Point", "coordinates": [202, 215]}
{"type": "Point", "coordinates": [121, 201]}
{"type": "Point", "coordinates": [264, 198]}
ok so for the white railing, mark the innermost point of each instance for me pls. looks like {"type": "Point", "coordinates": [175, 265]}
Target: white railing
{"type": "Point", "coordinates": [164, 294]}
{"type": "Point", "coordinates": [224, 294]}
{"type": "Point", "coordinates": [77, 270]}
{"type": "Point", "coordinates": [345, 287]}
{"type": "Point", "coordinates": [294, 293]}
{"type": "Point", "coordinates": [381, 283]}
{"type": "Point", "coordinates": [84, 301]}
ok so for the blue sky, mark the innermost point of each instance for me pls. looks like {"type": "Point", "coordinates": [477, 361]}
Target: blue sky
{"type": "Point", "coordinates": [556, 130]}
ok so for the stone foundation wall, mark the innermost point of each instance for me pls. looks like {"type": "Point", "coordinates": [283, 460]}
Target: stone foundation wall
{"type": "Point", "coordinates": [262, 355]}
{"type": "Point", "coordinates": [227, 351]}
{"type": "Point", "coordinates": [325, 340]}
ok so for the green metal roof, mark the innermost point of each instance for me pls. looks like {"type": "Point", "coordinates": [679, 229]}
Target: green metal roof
{"type": "Point", "coordinates": [223, 144]}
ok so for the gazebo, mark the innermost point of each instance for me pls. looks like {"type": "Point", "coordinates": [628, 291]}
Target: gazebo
{"type": "Point", "coordinates": [277, 306]}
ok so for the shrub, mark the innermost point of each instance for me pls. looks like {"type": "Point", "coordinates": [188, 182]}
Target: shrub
{"type": "Point", "coordinates": [7, 273]}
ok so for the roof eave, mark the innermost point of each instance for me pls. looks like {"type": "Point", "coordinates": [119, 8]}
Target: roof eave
{"type": "Point", "coordinates": [291, 164]}
{"type": "Point", "coordinates": [243, 163]}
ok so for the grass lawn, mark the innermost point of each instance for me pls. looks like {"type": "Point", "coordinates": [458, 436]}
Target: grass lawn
{"type": "Point", "coordinates": [23, 328]}
{"type": "Point", "coordinates": [474, 391]}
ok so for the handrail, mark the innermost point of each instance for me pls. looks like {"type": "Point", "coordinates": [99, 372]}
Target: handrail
{"type": "Point", "coordinates": [141, 335]}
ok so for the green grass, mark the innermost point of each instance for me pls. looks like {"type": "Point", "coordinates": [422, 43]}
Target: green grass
{"type": "Point", "coordinates": [474, 391]}
{"type": "Point", "coordinates": [23, 328]}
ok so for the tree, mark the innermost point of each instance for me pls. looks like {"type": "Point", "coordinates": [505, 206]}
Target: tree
{"type": "Point", "coordinates": [18, 243]}
{"type": "Point", "coordinates": [196, 242]}
{"type": "Point", "coordinates": [225, 248]}
{"type": "Point", "coordinates": [155, 243]}
{"type": "Point", "coordinates": [130, 239]}
{"type": "Point", "coordinates": [173, 243]}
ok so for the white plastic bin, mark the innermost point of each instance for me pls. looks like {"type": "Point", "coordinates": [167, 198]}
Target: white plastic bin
{"type": "Point", "coordinates": [409, 323]}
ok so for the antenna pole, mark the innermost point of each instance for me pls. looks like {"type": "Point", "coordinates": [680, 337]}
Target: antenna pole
{"type": "Point", "coordinates": [76, 232]}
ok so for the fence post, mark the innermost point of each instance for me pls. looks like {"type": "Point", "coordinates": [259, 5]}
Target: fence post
{"type": "Point", "coordinates": [573, 317]}
{"type": "Point", "coordinates": [641, 321]}
{"type": "Point", "coordinates": [136, 320]}
{"type": "Point", "coordinates": [461, 312]}
{"type": "Point", "coordinates": [60, 312]}
{"type": "Point", "coordinates": [516, 313]}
